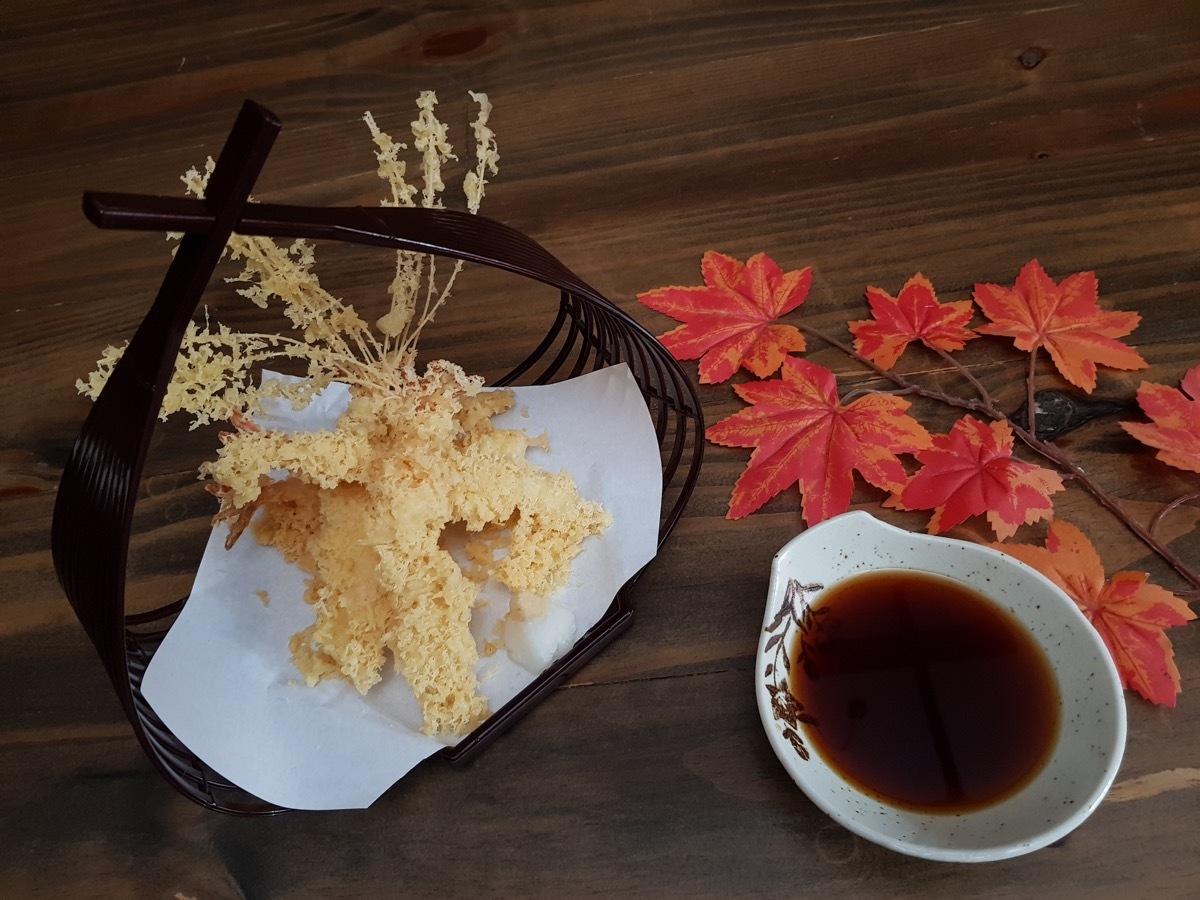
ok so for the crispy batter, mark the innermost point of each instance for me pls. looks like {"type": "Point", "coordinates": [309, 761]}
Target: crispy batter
{"type": "Point", "coordinates": [407, 466]}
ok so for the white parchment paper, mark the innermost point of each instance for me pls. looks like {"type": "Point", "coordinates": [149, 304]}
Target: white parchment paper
{"type": "Point", "coordinates": [223, 680]}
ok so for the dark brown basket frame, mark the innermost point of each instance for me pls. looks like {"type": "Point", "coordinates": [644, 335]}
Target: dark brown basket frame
{"type": "Point", "coordinates": [94, 509]}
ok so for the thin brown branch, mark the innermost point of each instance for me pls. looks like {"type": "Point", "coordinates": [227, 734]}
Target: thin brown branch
{"type": "Point", "coordinates": [906, 385]}
{"type": "Point", "coordinates": [966, 373]}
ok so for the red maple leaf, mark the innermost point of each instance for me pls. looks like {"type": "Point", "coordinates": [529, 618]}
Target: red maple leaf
{"type": "Point", "coordinates": [1176, 417]}
{"type": "Point", "coordinates": [914, 315]}
{"type": "Point", "coordinates": [802, 434]}
{"type": "Point", "coordinates": [731, 320]}
{"type": "Point", "coordinates": [1063, 318]}
{"type": "Point", "coordinates": [1131, 614]}
{"type": "Point", "coordinates": [971, 472]}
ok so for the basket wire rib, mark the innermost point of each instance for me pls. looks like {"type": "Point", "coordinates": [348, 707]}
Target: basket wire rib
{"type": "Point", "coordinates": [94, 509]}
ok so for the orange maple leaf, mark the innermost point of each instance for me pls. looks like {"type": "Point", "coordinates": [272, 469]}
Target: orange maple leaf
{"type": "Point", "coordinates": [731, 320]}
{"type": "Point", "coordinates": [1063, 318]}
{"type": "Point", "coordinates": [1131, 614]}
{"type": "Point", "coordinates": [802, 434]}
{"type": "Point", "coordinates": [1176, 417]}
{"type": "Point", "coordinates": [971, 471]}
{"type": "Point", "coordinates": [914, 315]}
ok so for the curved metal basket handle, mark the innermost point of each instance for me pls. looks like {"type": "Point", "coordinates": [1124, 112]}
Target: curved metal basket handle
{"type": "Point", "coordinates": [442, 232]}
{"type": "Point", "coordinates": [94, 508]}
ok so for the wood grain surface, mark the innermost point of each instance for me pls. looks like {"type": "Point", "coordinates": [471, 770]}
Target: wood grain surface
{"type": "Point", "coordinates": [869, 140]}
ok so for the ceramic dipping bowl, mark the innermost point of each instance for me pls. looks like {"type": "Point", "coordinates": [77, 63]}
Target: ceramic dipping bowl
{"type": "Point", "coordinates": [1080, 760]}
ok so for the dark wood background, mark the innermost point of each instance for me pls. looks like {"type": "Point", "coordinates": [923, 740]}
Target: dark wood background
{"type": "Point", "coordinates": [867, 139]}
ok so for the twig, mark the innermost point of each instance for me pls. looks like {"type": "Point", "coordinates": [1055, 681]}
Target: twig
{"type": "Point", "coordinates": [966, 373]}
{"type": "Point", "coordinates": [908, 386]}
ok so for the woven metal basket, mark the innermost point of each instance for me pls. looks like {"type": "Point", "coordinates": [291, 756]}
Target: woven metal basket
{"type": "Point", "coordinates": [94, 509]}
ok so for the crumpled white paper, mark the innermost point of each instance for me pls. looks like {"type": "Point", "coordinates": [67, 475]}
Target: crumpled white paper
{"type": "Point", "coordinates": [223, 680]}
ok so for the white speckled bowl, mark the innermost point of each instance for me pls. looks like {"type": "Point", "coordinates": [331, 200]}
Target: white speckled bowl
{"type": "Point", "coordinates": [1091, 737]}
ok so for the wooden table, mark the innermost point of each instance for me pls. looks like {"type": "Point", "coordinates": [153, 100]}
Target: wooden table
{"type": "Point", "coordinates": [869, 140]}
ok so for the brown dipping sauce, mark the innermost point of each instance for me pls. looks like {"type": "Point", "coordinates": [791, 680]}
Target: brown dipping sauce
{"type": "Point", "coordinates": [925, 693]}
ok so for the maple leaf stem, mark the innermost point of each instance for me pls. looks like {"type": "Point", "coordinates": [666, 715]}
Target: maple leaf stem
{"type": "Point", "coordinates": [912, 387]}
{"type": "Point", "coordinates": [985, 406]}
{"type": "Point", "coordinates": [967, 374]}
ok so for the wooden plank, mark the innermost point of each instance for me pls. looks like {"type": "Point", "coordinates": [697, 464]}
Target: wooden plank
{"type": "Point", "coordinates": [867, 139]}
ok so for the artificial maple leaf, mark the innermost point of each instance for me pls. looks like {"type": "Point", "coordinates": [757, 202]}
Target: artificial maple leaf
{"type": "Point", "coordinates": [1131, 614]}
{"type": "Point", "coordinates": [1176, 417]}
{"type": "Point", "coordinates": [731, 320]}
{"type": "Point", "coordinates": [1064, 318]}
{"type": "Point", "coordinates": [970, 472]}
{"type": "Point", "coordinates": [803, 435]}
{"type": "Point", "coordinates": [914, 315]}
